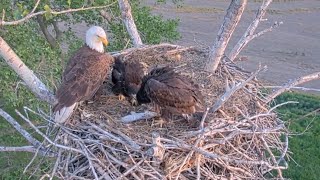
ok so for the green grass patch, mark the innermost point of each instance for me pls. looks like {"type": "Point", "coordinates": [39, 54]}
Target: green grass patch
{"type": "Point", "coordinates": [304, 120]}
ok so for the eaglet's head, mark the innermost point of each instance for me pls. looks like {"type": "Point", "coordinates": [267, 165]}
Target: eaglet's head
{"type": "Point", "coordinates": [95, 38]}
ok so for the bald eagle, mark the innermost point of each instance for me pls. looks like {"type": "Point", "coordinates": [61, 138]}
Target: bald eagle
{"type": "Point", "coordinates": [170, 92]}
{"type": "Point", "coordinates": [127, 77]}
{"type": "Point", "coordinates": [84, 74]}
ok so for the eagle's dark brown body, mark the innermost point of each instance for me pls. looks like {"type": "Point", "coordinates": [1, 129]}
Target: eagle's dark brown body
{"type": "Point", "coordinates": [171, 91]}
{"type": "Point", "coordinates": [82, 77]}
{"type": "Point", "coordinates": [127, 77]}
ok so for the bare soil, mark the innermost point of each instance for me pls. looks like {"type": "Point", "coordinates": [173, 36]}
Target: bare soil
{"type": "Point", "coordinates": [290, 51]}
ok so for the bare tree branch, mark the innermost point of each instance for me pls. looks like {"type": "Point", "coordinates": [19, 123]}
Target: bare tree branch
{"type": "Point", "coordinates": [127, 18]}
{"type": "Point", "coordinates": [249, 34]}
{"type": "Point", "coordinates": [291, 84]}
{"type": "Point", "coordinates": [19, 128]}
{"type": "Point", "coordinates": [18, 149]}
{"type": "Point", "coordinates": [229, 24]}
{"type": "Point", "coordinates": [31, 80]}
{"type": "Point", "coordinates": [33, 14]}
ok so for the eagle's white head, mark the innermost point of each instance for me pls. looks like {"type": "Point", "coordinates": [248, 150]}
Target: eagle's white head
{"type": "Point", "coordinates": [95, 38]}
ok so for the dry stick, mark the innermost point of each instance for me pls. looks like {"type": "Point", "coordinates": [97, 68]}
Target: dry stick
{"type": "Point", "coordinates": [297, 88]}
{"type": "Point", "coordinates": [249, 34]}
{"type": "Point", "coordinates": [147, 47]}
{"type": "Point", "coordinates": [293, 83]}
{"type": "Point", "coordinates": [33, 14]}
{"type": "Point", "coordinates": [90, 162]}
{"type": "Point", "coordinates": [46, 137]}
{"type": "Point", "coordinates": [272, 156]}
{"type": "Point", "coordinates": [20, 129]}
{"type": "Point", "coordinates": [56, 164]}
{"type": "Point", "coordinates": [18, 149]}
{"type": "Point", "coordinates": [231, 91]}
{"type": "Point", "coordinates": [127, 18]}
{"type": "Point", "coordinates": [138, 116]}
{"type": "Point", "coordinates": [229, 24]}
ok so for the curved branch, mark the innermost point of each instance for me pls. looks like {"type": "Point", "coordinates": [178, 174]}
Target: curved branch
{"type": "Point", "coordinates": [32, 14]}
{"type": "Point", "coordinates": [291, 84]}
{"type": "Point", "coordinates": [127, 18]}
{"type": "Point", "coordinates": [27, 75]}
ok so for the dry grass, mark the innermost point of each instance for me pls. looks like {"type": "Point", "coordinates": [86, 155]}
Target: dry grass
{"type": "Point", "coordinates": [242, 139]}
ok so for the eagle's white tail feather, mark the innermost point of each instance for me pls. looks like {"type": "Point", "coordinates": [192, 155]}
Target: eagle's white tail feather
{"type": "Point", "coordinates": [64, 113]}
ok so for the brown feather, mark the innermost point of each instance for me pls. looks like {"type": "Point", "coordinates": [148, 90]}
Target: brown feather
{"type": "Point", "coordinates": [171, 91]}
{"type": "Point", "coordinates": [83, 75]}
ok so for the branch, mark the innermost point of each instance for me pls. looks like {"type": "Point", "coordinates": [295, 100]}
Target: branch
{"type": "Point", "coordinates": [293, 83]}
{"type": "Point", "coordinates": [33, 14]}
{"type": "Point", "coordinates": [229, 24]}
{"type": "Point", "coordinates": [27, 75]}
{"type": "Point", "coordinates": [18, 149]}
{"type": "Point", "coordinates": [138, 116]}
{"type": "Point", "coordinates": [127, 18]}
{"type": "Point", "coordinates": [232, 90]}
{"type": "Point", "coordinates": [19, 128]}
{"type": "Point", "coordinates": [249, 34]}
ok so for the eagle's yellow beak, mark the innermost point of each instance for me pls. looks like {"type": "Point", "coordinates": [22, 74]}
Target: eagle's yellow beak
{"type": "Point", "coordinates": [104, 41]}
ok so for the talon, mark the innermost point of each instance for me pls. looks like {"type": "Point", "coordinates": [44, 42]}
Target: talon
{"type": "Point", "coordinates": [121, 97]}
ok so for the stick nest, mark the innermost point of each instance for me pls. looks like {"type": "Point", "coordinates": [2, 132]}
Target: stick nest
{"type": "Point", "coordinates": [243, 138]}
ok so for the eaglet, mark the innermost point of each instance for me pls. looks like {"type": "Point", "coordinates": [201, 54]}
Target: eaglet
{"type": "Point", "coordinates": [127, 78]}
{"type": "Point", "coordinates": [170, 92]}
{"type": "Point", "coordinates": [84, 74]}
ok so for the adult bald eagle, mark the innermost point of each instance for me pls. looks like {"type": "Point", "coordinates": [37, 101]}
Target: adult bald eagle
{"type": "Point", "coordinates": [83, 75]}
{"type": "Point", "coordinates": [171, 92]}
{"type": "Point", "coordinates": [127, 78]}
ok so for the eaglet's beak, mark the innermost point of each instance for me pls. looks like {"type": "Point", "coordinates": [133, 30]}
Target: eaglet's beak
{"type": "Point", "coordinates": [104, 41]}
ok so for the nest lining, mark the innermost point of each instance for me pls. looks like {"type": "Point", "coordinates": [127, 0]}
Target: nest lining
{"type": "Point", "coordinates": [240, 140]}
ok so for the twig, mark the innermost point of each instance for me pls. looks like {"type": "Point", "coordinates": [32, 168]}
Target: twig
{"type": "Point", "coordinates": [20, 129]}
{"type": "Point", "coordinates": [18, 149]}
{"type": "Point", "coordinates": [33, 14]}
{"type": "Point", "coordinates": [230, 91]}
{"type": "Point", "coordinates": [46, 137]}
{"type": "Point", "coordinates": [293, 83]}
{"type": "Point", "coordinates": [297, 87]}
{"type": "Point", "coordinates": [249, 34]}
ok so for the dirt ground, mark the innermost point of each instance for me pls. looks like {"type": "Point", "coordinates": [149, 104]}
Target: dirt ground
{"type": "Point", "coordinates": [289, 51]}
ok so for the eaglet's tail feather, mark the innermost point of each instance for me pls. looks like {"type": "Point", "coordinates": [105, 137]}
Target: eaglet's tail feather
{"type": "Point", "coordinates": [64, 113]}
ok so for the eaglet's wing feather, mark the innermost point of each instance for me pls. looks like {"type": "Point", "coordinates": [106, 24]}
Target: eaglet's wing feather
{"type": "Point", "coordinates": [134, 72]}
{"type": "Point", "coordinates": [172, 93]}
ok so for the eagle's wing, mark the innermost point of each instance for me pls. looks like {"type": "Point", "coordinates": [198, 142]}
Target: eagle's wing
{"type": "Point", "coordinates": [173, 94]}
{"type": "Point", "coordinates": [82, 79]}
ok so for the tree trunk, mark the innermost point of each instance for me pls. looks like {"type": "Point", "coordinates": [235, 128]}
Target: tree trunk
{"type": "Point", "coordinates": [32, 81]}
{"type": "Point", "coordinates": [127, 18]}
{"type": "Point", "coordinates": [229, 24]}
